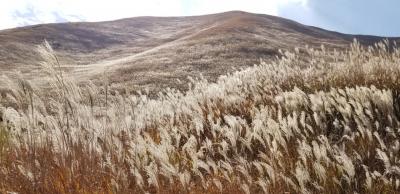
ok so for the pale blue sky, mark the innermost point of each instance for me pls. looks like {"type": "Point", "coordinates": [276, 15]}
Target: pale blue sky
{"type": "Point", "coordinates": [375, 17]}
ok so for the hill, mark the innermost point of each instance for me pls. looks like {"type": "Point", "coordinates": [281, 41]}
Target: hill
{"type": "Point", "coordinates": [153, 52]}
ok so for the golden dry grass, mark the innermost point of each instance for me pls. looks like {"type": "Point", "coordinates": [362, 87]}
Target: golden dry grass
{"type": "Point", "coordinates": [324, 123]}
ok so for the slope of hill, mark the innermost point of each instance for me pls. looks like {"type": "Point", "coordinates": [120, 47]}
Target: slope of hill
{"type": "Point", "coordinates": [154, 52]}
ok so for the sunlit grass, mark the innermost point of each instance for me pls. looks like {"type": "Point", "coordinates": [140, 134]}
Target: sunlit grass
{"type": "Point", "coordinates": [327, 124]}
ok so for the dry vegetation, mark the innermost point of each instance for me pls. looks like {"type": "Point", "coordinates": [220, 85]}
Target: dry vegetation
{"type": "Point", "coordinates": [328, 124]}
{"type": "Point", "coordinates": [153, 52]}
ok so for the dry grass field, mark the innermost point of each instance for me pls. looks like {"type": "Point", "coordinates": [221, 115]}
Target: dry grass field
{"type": "Point", "coordinates": [176, 105]}
{"type": "Point", "coordinates": [328, 123]}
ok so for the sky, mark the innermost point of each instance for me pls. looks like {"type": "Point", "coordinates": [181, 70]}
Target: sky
{"type": "Point", "coordinates": [373, 17]}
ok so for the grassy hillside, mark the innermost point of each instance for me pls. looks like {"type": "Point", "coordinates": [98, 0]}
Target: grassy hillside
{"type": "Point", "coordinates": [153, 52]}
{"type": "Point", "coordinates": [324, 123]}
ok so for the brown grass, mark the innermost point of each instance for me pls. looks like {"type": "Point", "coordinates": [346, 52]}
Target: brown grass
{"type": "Point", "coordinates": [326, 122]}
